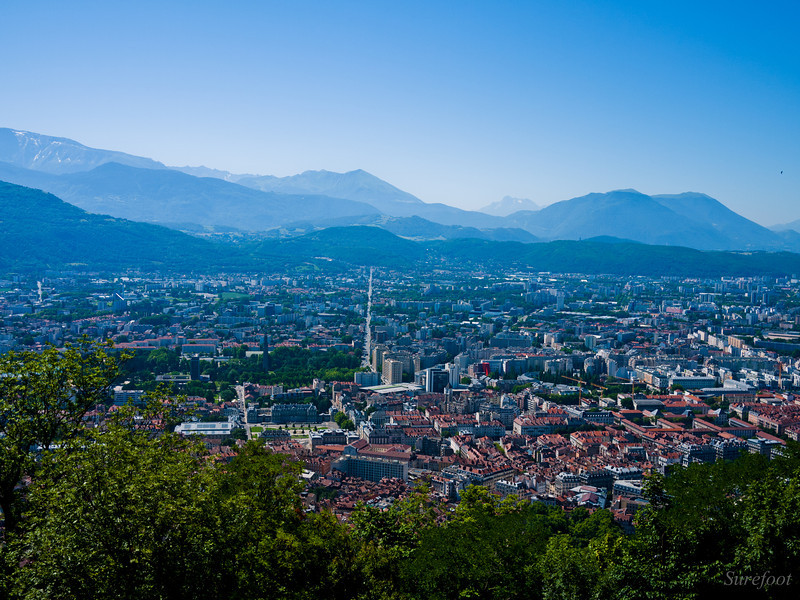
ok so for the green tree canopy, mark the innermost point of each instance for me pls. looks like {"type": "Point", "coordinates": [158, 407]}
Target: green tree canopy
{"type": "Point", "coordinates": [43, 399]}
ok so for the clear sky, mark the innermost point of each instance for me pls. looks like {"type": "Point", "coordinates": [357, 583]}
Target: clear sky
{"type": "Point", "coordinates": [455, 102]}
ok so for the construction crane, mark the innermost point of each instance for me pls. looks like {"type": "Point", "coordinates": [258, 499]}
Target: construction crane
{"type": "Point", "coordinates": [580, 386]}
{"type": "Point", "coordinates": [632, 382]}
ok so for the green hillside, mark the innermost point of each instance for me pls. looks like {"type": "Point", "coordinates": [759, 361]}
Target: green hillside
{"type": "Point", "coordinates": [370, 246]}
{"type": "Point", "coordinates": [40, 231]}
{"type": "Point", "coordinates": [623, 258]}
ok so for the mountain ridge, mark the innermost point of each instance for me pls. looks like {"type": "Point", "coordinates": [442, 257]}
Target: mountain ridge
{"type": "Point", "coordinates": [211, 198]}
{"type": "Point", "coordinates": [40, 231]}
{"type": "Point", "coordinates": [58, 155]}
{"type": "Point", "coordinates": [167, 196]}
{"type": "Point", "coordinates": [689, 219]}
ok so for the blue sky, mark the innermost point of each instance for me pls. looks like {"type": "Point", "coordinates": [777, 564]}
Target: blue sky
{"type": "Point", "coordinates": [455, 102]}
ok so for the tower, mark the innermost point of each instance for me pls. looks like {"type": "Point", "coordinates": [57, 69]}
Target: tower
{"type": "Point", "coordinates": [265, 354]}
{"type": "Point", "coordinates": [194, 368]}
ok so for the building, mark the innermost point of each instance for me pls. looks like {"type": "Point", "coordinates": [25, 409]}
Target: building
{"type": "Point", "coordinates": [392, 371]}
{"type": "Point", "coordinates": [565, 481]}
{"type": "Point", "coordinates": [371, 469]}
{"type": "Point", "coordinates": [367, 379]}
{"type": "Point", "coordinates": [436, 380]}
{"type": "Point", "coordinates": [628, 488]}
{"type": "Point", "coordinates": [696, 453]}
{"type": "Point", "coordinates": [275, 434]}
{"type": "Point", "coordinates": [331, 437]}
{"type": "Point", "coordinates": [213, 430]}
{"type": "Point", "coordinates": [729, 449]}
{"type": "Point", "coordinates": [123, 397]}
{"type": "Point", "coordinates": [693, 382]}
{"type": "Point", "coordinates": [194, 368]}
{"type": "Point", "coordinates": [294, 413]}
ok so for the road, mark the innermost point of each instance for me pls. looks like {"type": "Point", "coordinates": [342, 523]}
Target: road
{"type": "Point", "coordinates": [243, 407]}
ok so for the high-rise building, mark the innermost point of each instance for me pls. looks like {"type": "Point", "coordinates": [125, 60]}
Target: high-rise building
{"type": "Point", "coordinates": [367, 378]}
{"type": "Point", "coordinates": [560, 301]}
{"type": "Point", "coordinates": [392, 371]}
{"type": "Point", "coordinates": [194, 368]}
{"type": "Point", "coordinates": [436, 380]}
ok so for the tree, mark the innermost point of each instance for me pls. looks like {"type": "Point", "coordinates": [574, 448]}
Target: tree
{"type": "Point", "coordinates": [569, 573]}
{"type": "Point", "coordinates": [278, 551]}
{"type": "Point", "coordinates": [343, 421]}
{"type": "Point", "coordinates": [771, 516]}
{"type": "Point", "coordinates": [162, 360]}
{"type": "Point", "coordinates": [119, 514]}
{"type": "Point", "coordinates": [43, 399]}
{"type": "Point", "coordinates": [707, 520]}
{"type": "Point", "coordinates": [122, 514]}
{"type": "Point", "coordinates": [487, 550]}
{"type": "Point", "coordinates": [401, 526]}
{"type": "Point", "coordinates": [391, 537]}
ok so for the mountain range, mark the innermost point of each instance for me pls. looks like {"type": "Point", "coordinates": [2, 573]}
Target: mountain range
{"type": "Point", "coordinates": [167, 197]}
{"type": "Point", "coordinates": [200, 199]}
{"type": "Point", "coordinates": [58, 155]}
{"type": "Point", "coordinates": [690, 219]}
{"type": "Point", "coordinates": [40, 231]}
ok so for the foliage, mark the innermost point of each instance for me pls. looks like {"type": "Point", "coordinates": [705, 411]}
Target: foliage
{"type": "Point", "coordinates": [343, 421]}
{"type": "Point", "coordinates": [125, 515]}
{"type": "Point", "coordinates": [43, 398]}
{"type": "Point", "coordinates": [130, 510]}
{"type": "Point", "coordinates": [707, 521]}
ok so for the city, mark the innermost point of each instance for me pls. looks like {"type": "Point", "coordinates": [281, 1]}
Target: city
{"type": "Point", "coordinates": [565, 389]}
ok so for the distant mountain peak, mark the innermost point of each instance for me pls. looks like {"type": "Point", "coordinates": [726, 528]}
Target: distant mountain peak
{"type": "Point", "coordinates": [688, 195]}
{"type": "Point", "coordinates": [626, 194]}
{"type": "Point", "coordinates": [60, 155]}
{"type": "Point", "coordinates": [509, 205]}
{"type": "Point", "coordinates": [358, 185]}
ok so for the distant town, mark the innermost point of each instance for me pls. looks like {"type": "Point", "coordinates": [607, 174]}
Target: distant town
{"type": "Point", "coordinates": [565, 389]}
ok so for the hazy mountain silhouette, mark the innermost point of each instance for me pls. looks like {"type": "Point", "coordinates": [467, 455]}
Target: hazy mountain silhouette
{"type": "Point", "coordinates": [692, 220]}
{"type": "Point", "coordinates": [142, 189]}
{"type": "Point", "coordinates": [166, 196]}
{"type": "Point", "coordinates": [509, 205]}
{"type": "Point", "coordinates": [60, 155]}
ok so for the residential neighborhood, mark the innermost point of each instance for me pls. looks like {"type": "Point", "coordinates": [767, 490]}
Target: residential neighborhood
{"type": "Point", "coordinates": [564, 389]}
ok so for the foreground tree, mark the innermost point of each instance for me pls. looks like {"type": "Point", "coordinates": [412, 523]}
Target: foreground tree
{"type": "Point", "coordinates": [118, 514]}
{"type": "Point", "coordinates": [709, 523]}
{"type": "Point", "coordinates": [276, 549]}
{"type": "Point", "coordinates": [124, 514]}
{"type": "Point", "coordinates": [43, 400]}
